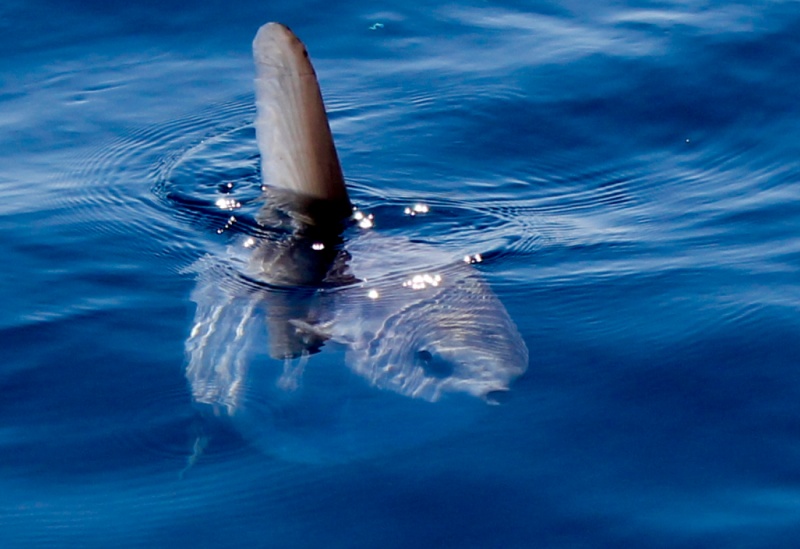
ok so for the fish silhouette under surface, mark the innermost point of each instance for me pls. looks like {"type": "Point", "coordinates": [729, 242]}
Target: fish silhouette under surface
{"type": "Point", "coordinates": [414, 320]}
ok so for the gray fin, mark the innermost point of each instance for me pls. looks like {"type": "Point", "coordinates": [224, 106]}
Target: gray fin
{"type": "Point", "coordinates": [223, 340]}
{"type": "Point", "coordinates": [322, 330]}
{"type": "Point", "coordinates": [297, 150]}
{"type": "Point", "coordinates": [292, 373]}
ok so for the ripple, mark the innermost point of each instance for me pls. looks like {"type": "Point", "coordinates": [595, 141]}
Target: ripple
{"type": "Point", "coordinates": [112, 196]}
{"type": "Point", "coordinates": [566, 221]}
{"type": "Point", "coordinates": [213, 178]}
{"type": "Point", "coordinates": [581, 222]}
{"type": "Point", "coordinates": [166, 425]}
{"type": "Point", "coordinates": [214, 184]}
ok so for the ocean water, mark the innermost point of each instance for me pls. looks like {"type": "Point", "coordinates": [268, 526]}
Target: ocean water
{"type": "Point", "coordinates": [627, 170]}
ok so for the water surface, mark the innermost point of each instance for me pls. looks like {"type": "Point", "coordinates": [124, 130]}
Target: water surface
{"type": "Point", "coordinates": [628, 172]}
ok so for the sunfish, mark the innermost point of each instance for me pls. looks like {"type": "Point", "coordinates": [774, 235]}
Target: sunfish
{"type": "Point", "coordinates": [414, 320]}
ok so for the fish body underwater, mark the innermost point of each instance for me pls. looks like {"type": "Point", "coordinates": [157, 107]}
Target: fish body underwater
{"type": "Point", "coordinates": [415, 323]}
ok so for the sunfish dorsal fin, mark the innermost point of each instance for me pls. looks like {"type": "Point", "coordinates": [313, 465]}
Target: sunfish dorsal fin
{"type": "Point", "coordinates": [294, 138]}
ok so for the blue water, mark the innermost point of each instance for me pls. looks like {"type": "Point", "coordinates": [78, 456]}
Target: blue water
{"type": "Point", "coordinates": [628, 170]}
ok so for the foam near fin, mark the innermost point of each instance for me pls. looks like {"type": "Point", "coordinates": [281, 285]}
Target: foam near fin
{"type": "Point", "coordinates": [294, 138]}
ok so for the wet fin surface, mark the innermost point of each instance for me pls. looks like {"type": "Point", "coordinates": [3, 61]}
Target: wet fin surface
{"type": "Point", "coordinates": [294, 138]}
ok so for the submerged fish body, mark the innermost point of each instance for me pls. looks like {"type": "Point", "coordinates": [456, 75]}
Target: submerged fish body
{"type": "Point", "coordinates": [425, 326]}
{"type": "Point", "coordinates": [414, 320]}
{"type": "Point", "coordinates": [417, 321]}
